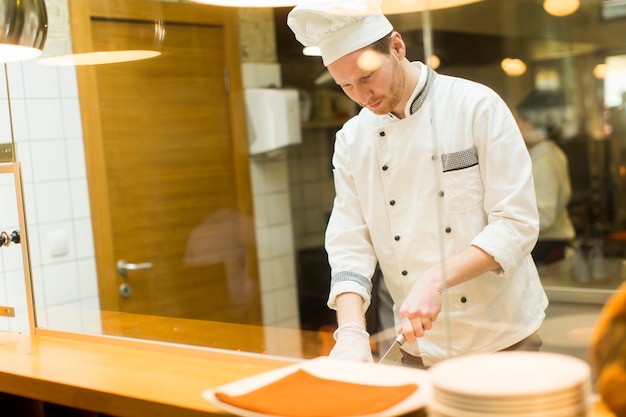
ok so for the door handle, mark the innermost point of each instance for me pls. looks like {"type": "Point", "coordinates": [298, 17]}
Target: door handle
{"type": "Point", "coordinates": [123, 267]}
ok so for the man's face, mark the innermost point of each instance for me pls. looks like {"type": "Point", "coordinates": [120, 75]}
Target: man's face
{"type": "Point", "coordinates": [370, 78]}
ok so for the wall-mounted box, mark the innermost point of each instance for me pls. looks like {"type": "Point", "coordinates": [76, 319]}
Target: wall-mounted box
{"type": "Point", "coordinates": [273, 118]}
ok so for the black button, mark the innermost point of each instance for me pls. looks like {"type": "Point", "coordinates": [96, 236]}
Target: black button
{"type": "Point", "coordinates": [385, 167]}
{"type": "Point", "coordinates": [392, 202]}
{"type": "Point", "coordinates": [396, 237]}
{"type": "Point", "coordinates": [463, 300]}
{"type": "Point", "coordinates": [448, 229]}
{"type": "Point", "coordinates": [382, 133]}
{"type": "Point", "coordinates": [441, 193]}
{"type": "Point", "coordinates": [405, 272]}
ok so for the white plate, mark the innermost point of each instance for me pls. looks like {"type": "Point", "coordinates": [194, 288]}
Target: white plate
{"type": "Point", "coordinates": [510, 375]}
{"type": "Point", "coordinates": [580, 410]}
{"type": "Point", "coordinates": [344, 371]}
{"type": "Point", "coordinates": [524, 405]}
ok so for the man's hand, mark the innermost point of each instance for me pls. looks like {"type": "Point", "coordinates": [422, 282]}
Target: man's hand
{"type": "Point", "coordinates": [352, 344]}
{"type": "Point", "coordinates": [422, 305]}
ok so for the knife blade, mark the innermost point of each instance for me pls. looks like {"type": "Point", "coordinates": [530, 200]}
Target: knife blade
{"type": "Point", "coordinates": [399, 341]}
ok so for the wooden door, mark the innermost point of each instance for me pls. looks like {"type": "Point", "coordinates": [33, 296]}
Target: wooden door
{"type": "Point", "coordinates": [167, 161]}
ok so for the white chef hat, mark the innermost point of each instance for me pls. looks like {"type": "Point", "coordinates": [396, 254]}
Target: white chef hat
{"type": "Point", "coordinates": [338, 27]}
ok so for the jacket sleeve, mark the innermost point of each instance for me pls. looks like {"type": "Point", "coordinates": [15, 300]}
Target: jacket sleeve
{"type": "Point", "coordinates": [510, 205]}
{"type": "Point", "coordinates": [348, 244]}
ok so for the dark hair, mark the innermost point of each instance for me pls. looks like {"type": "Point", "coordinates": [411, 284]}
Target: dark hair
{"type": "Point", "coordinates": [383, 45]}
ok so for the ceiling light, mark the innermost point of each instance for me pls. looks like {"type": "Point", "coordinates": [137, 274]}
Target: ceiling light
{"type": "Point", "coordinates": [599, 71]}
{"type": "Point", "coordinates": [23, 29]}
{"type": "Point", "coordinates": [513, 67]}
{"type": "Point", "coordinates": [434, 61]}
{"type": "Point", "coordinates": [249, 3]}
{"type": "Point", "coordinates": [561, 7]}
{"type": "Point", "coordinates": [409, 6]}
{"type": "Point", "coordinates": [389, 6]}
{"type": "Point", "coordinates": [98, 58]}
{"type": "Point", "coordinates": [311, 51]}
{"type": "Point", "coordinates": [59, 53]}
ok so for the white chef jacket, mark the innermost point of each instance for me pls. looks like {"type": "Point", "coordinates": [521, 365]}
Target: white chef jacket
{"type": "Point", "coordinates": [553, 191]}
{"type": "Point", "coordinates": [395, 205]}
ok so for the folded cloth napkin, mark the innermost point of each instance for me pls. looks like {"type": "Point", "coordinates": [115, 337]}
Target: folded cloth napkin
{"type": "Point", "coordinates": [301, 394]}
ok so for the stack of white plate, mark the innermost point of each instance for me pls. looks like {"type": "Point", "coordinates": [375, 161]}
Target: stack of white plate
{"type": "Point", "coordinates": [511, 384]}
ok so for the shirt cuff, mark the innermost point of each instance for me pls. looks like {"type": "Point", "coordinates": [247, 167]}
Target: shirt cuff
{"type": "Point", "coordinates": [345, 287]}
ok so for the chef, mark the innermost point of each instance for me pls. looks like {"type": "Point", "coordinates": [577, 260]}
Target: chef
{"type": "Point", "coordinates": [433, 182]}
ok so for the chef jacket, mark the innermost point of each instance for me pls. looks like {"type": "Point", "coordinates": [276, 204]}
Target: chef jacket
{"type": "Point", "coordinates": [553, 191]}
{"type": "Point", "coordinates": [411, 192]}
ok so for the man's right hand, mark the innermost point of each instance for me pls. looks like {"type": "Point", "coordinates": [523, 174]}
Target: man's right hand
{"type": "Point", "coordinates": [352, 344]}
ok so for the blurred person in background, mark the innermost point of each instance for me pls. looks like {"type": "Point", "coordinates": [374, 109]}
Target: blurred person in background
{"type": "Point", "coordinates": [552, 190]}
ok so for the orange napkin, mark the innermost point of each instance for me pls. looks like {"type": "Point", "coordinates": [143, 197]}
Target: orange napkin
{"type": "Point", "coordinates": [301, 394]}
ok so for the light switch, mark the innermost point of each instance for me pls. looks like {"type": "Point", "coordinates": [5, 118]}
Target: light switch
{"type": "Point", "coordinates": [57, 243]}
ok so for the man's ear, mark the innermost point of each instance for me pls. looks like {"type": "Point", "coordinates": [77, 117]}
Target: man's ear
{"type": "Point", "coordinates": [397, 45]}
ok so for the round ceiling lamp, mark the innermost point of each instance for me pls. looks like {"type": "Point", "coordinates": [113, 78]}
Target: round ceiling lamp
{"type": "Point", "coordinates": [311, 51]}
{"type": "Point", "coordinates": [23, 29]}
{"type": "Point", "coordinates": [249, 3]}
{"type": "Point", "coordinates": [389, 6]}
{"type": "Point", "coordinates": [513, 67]}
{"type": "Point", "coordinates": [98, 58]}
{"type": "Point", "coordinates": [434, 61]}
{"type": "Point", "coordinates": [561, 7]}
{"type": "Point", "coordinates": [411, 6]}
{"type": "Point", "coordinates": [600, 71]}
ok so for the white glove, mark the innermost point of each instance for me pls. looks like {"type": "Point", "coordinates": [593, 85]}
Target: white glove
{"type": "Point", "coordinates": [353, 344]}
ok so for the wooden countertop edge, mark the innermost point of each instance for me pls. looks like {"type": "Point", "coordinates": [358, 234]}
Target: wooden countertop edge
{"type": "Point", "coordinates": [122, 378]}
{"type": "Point", "coordinates": [88, 399]}
{"type": "Point", "coordinates": [128, 378]}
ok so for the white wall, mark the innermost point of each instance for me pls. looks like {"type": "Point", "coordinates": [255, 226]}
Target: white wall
{"type": "Point", "coordinates": [274, 229]}
{"type": "Point", "coordinates": [48, 137]}
{"type": "Point", "coordinates": [311, 185]}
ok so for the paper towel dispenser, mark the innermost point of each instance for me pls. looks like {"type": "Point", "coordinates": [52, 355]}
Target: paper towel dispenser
{"type": "Point", "coordinates": [273, 118]}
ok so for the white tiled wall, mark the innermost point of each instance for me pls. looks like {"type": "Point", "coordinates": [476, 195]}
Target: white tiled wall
{"type": "Point", "coordinates": [274, 232]}
{"type": "Point", "coordinates": [276, 252]}
{"type": "Point", "coordinates": [311, 185]}
{"type": "Point", "coordinates": [49, 145]}
{"type": "Point", "coordinates": [275, 241]}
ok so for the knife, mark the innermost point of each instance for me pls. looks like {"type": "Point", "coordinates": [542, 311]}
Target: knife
{"type": "Point", "coordinates": [399, 341]}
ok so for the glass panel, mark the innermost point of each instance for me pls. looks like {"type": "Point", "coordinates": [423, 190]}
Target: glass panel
{"type": "Point", "coordinates": [64, 117]}
{"type": "Point", "coordinates": [555, 58]}
{"type": "Point", "coordinates": [569, 88]}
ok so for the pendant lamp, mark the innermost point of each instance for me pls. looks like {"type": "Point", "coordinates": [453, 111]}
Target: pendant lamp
{"type": "Point", "coordinates": [23, 29]}
{"type": "Point", "coordinates": [513, 67]}
{"type": "Point", "coordinates": [389, 6]}
{"type": "Point", "coordinates": [412, 6]}
{"type": "Point", "coordinates": [250, 3]}
{"type": "Point", "coordinates": [561, 7]}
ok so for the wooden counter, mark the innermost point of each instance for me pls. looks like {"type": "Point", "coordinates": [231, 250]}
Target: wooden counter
{"type": "Point", "coordinates": [119, 380]}
{"type": "Point", "coordinates": [128, 379]}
